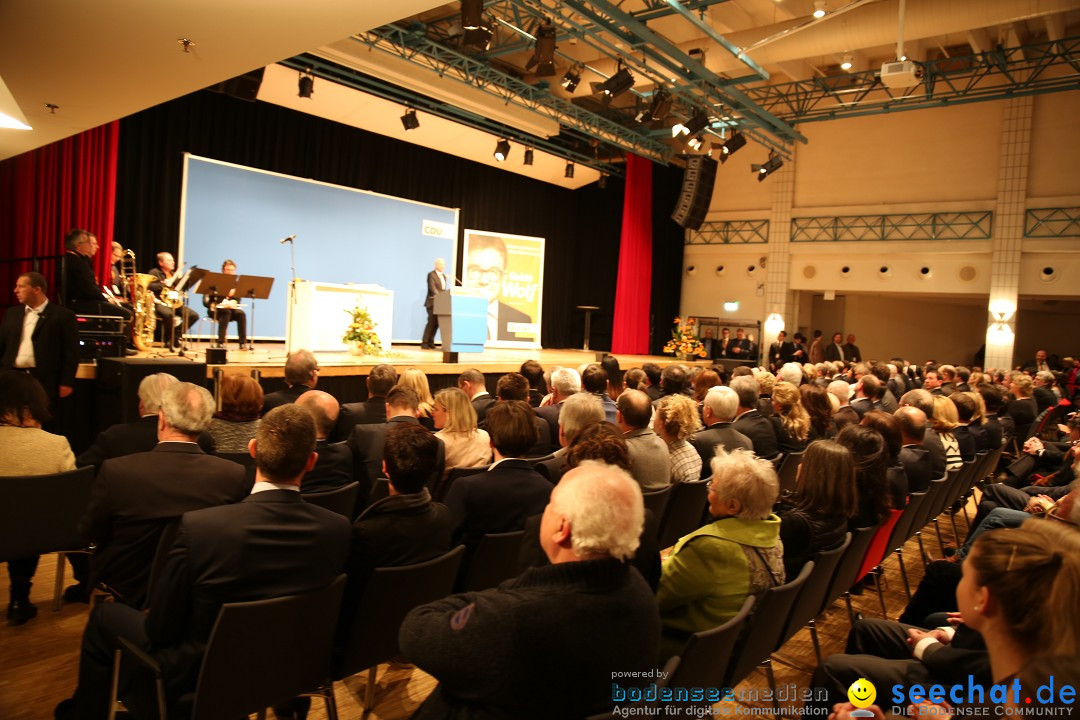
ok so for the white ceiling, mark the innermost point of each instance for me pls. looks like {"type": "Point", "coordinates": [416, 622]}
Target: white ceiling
{"type": "Point", "coordinates": [100, 61]}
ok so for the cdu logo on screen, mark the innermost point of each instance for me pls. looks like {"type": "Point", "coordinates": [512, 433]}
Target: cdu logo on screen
{"type": "Point", "coordinates": [434, 228]}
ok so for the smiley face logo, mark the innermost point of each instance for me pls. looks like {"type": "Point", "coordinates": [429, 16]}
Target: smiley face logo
{"type": "Point", "coordinates": [862, 693]}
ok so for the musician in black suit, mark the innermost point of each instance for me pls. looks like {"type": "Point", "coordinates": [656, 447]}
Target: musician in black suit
{"type": "Point", "coordinates": [913, 456]}
{"type": "Point", "coordinates": [436, 282]}
{"type": "Point", "coordinates": [221, 555]}
{"type": "Point", "coordinates": [371, 411]}
{"type": "Point", "coordinates": [136, 496]}
{"type": "Point", "coordinates": [225, 309]}
{"type": "Point", "coordinates": [41, 338]}
{"type": "Point", "coordinates": [82, 291]}
{"type": "Point", "coordinates": [166, 278]}
{"type": "Point", "coordinates": [334, 467]}
{"type": "Point", "coordinates": [366, 441]}
{"type": "Point", "coordinates": [502, 498]}
{"type": "Point", "coordinates": [749, 420]}
{"type": "Point", "coordinates": [301, 375]}
{"type": "Point", "coordinates": [141, 435]}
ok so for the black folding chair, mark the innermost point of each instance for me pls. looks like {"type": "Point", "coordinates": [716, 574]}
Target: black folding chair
{"type": "Point", "coordinates": [812, 600]}
{"type": "Point", "coordinates": [494, 560]}
{"type": "Point", "coordinates": [341, 500]}
{"type": "Point", "coordinates": [789, 470]}
{"type": "Point", "coordinates": [657, 500]}
{"type": "Point", "coordinates": [684, 510]}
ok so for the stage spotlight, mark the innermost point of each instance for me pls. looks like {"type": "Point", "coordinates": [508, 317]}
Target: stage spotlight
{"type": "Point", "coordinates": [819, 9]}
{"type": "Point", "coordinates": [770, 166]}
{"type": "Point", "coordinates": [528, 157]}
{"type": "Point", "coordinates": [472, 14]}
{"type": "Point", "coordinates": [570, 80]}
{"type": "Point", "coordinates": [569, 172]}
{"type": "Point", "coordinates": [732, 146]}
{"type": "Point", "coordinates": [846, 64]}
{"type": "Point", "coordinates": [696, 124]}
{"type": "Point", "coordinates": [409, 120]}
{"type": "Point", "coordinates": [695, 143]}
{"type": "Point", "coordinates": [502, 149]}
{"type": "Point", "coordinates": [544, 57]}
{"type": "Point", "coordinates": [307, 85]}
{"type": "Point", "coordinates": [478, 39]}
{"type": "Point", "coordinates": [660, 107]}
{"type": "Point", "coordinates": [614, 86]}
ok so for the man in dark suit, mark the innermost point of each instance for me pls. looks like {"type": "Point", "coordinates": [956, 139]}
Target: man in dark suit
{"type": "Point", "coordinates": [436, 282]}
{"type": "Point", "coordinates": [866, 392]}
{"type": "Point", "coordinates": [992, 399]}
{"type": "Point", "coordinates": [564, 383]}
{"type": "Point", "coordinates": [334, 468]}
{"type": "Point", "coordinates": [41, 338]}
{"type": "Point", "coordinates": [1044, 396]}
{"type": "Point", "coordinates": [594, 379]}
{"type": "Point", "coordinates": [141, 435]}
{"type": "Point", "coordinates": [844, 414]}
{"type": "Point", "coordinates": [780, 352]}
{"type": "Point", "coordinates": [301, 375]}
{"type": "Point", "coordinates": [371, 411]}
{"type": "Point", "coordinates": [749, 420]}
{"type": "Point", "coordinates": [166, 279]}
{"type": "Point", "coordinates": [578, 410]}
{"type": "Point", "coordinates": [834, 351]}
{"type": "Point", "coordinates": [931, 442]}
{"type": "Point", "coordinates": [82, 291]}
{"type": "Point", "coordinates": [366, 441]}
{"type": "Point", "coordinates": [739, 348]}
{"type": "Point", "coordinates": [851, 350]}
{"type": "Point", "coordinates": [472, 384]}
{"type": "Point", "coordinates": [137, 496]}
{"type": "Point", "coordinates": [913, 456]}
{"type": "Point", "coordinates": [510, 491]}
{"type": "Point", "coordinates": [514, 386]}
{"type": "Point", "coordinates": [221, 555]}
{"type": "Point", "coordinates": [718, 411]}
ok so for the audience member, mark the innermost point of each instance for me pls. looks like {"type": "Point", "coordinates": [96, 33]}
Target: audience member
{"type": "Point", "coordinates": [534, 373]}
{"type": "Point", "coordinates": [675, 421]}
{"type": "Point", "coordinates": [653, 378]}
{"type": "Point", "coordinates": [791, 423]}
{"type": "Point", "coordinates": [514, 386]}
{"type": "Point", "coordinates": [233, 426]}
{"type": "Point", "coordinates": [895, 475]}
{"type": "Point", "coordinates": [610, 363]}
{"type": "Point", "coordinates": [815, 400]}
{"type": "Point", "coordinates": [472, 644]}
{"type": "Point", "coordinates": [500, 499]}
{"type": "Point", "coordinates": [673, 381]}
{"type": "Point", "coordinates": [455, 419]}
{"type": "Point", "coordinates": [473, 384]}
{"type": "Point", "coordinates": [766, 382]}
{"type": "Point", "coordinates": [913, 456]}
{"type": "Point", "coordinates": [594, 379]}
{"type": "Point", "coordinates": [564, 383]}
{"type": "Point", "coordinates": [1022, 409]}
{"type": "Point", "coordinates": [649, 457]}
{"type": "Point", "coordinates": [28, 450]}
{"type": "Point", "coordinates": [945, 420]}
{"type": "Point", "coordinates": [579, 411]}
{"type": "Point", "coordinates": [703, 383]}
{"type": "Point", "coordinates": [749, 420]}
{"type": "Point", "coordinates": [815, 518]}
{"type": "Point", "coordinates": [635, 380]}
{"type": "Point", "coordinates": [719, 410]}
{"type": "Point", "coordinates": [334, 468]}
{"type": "Point", "coordinates": [416, 380]}
{"type": "Point", "coordinates": [871, 465]}
{"type": "Point", "coordinates": [969, 439]}
{"type": "Point", "coordinates": [301, 375]}
{"type": "Point", "coordinates": [749, 558]}
{"type": "Point", "coordinates": [270, 545]}
{"type": "Point", "coordinates": [371, 411]}
{"type": "Point", "coordinates": [845, 415]}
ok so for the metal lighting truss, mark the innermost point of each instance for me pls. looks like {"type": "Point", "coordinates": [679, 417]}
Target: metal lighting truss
{"type": "Point", "coordinates": [994, 75]}
{"type": "Point", "coordinates": [730, 232]}
{"type": "Point", "coordinates": [1052, 222]}
{"type": "Point", "coordinates": [909, 226]}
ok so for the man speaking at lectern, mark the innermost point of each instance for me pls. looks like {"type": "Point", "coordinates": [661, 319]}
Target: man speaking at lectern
{"type": "Point", "coordinates": [436, 281]}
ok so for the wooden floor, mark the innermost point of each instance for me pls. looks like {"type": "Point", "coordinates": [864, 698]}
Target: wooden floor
{"type": "Point", "coordinates": [269, 358]}
{"type": "Point", "coordinates": [39, 660]}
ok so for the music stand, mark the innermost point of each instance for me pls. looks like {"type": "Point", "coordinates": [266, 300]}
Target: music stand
{"type": "Point", "coordinates": [253, 287]}
{"type": "Point", "coordinates": [217, 284]}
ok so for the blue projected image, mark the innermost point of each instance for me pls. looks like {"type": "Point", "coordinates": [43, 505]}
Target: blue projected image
{"type": "Point", "coordinates": [343, 235]}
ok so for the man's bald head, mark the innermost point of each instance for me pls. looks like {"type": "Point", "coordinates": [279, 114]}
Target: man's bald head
{"type": "Point", "coordinates": [324, 409]}
{"type": "Point", "coordinates": [912, 424]}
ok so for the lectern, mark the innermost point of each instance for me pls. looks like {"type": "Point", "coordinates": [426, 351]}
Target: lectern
{"type": "Point", "coordinates": [462, 314]}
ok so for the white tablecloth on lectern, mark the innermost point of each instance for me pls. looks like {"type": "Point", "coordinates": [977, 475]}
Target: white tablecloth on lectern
{"type": "Point", "coordinates": [318, 317]}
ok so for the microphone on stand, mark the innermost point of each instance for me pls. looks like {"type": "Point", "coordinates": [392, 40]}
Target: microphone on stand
{"type": "Point", "coordinates": [287, 240]}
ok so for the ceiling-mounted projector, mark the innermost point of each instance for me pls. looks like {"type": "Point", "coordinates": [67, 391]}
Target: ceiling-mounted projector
{"type": "Point", "coordinates": [900, 74]}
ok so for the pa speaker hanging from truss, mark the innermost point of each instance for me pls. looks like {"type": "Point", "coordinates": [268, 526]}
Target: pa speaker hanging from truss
{"type": "Point", "coordinates": [697, 189]}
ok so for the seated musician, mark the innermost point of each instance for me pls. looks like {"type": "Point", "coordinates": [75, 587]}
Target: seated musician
{"type": "Point", "coordinates": [225, 309]}
{"type": "Point", "coordinates": [184, 317]}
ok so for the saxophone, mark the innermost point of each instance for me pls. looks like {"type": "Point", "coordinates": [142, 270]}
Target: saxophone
{"type": "Point", "coordinates": [142, 300]}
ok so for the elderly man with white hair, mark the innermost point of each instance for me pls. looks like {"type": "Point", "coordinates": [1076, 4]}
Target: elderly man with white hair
{"type": "Point", "coordinates": [844, 414]}
{"type": "Point", "coordinates": [703, 583]}
{"type": "Point", "coordinates": [563, 382]}
{"type": "Point", "coordinates": [567, 627]}
{"type": "Point", "coordinates": [718, 410]}
{"type": "Point", "coordinates": [791, 372]}
{"type": "Point", "coordinates": [136, 496]}
{"type": "Point", "coordinates": [578, 410]}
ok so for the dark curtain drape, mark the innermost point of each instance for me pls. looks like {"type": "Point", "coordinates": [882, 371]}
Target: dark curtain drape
{"type": "Point", "coordinates": [46, 192]}
{"type": "Point", "coordinates": [667, 255]}
{"type": "Point", "coordinates": [630, 333]}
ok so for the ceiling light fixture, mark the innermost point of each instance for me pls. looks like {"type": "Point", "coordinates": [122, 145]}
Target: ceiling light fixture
{"type": "Point", "coordinates": [472, 14]}
{"type": "Point", "coordinates": [544, 57]}
{"type": "Point", "coordinates": [569, 172]}
{"type": "Point", "coordinates": [11, 115]}
{"type": "Point", "coordinates": [502, 149]}
{"type": "Point", "coordinates": [614, 86]}
{"type": "Point", "coordinates": [774, 163]}
{"type": "Point", "coordinates": [696, 142]}
{"type": "Point", "coordinates": [846, 64]}
{"type": "Point", "coordinates": [736, 142]}
{"type": "Point", "coordinates": [306, 84]}
{"type": "Point", "coordinates": [819, 9]}
{"type": "Point", "coordinates": [570, 80]}
{"type": "Point", "coordinates": [409, 120]}
{"type": "Point", "coordinates": [660, 106]}
{"type": "Point", "coordinates": [528, 157]}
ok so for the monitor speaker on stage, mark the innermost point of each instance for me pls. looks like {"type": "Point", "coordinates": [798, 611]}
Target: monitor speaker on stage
{"type": "Point", "coordinates": [697, 189]}
{"type": "Point", "coordinates": [118, 384]}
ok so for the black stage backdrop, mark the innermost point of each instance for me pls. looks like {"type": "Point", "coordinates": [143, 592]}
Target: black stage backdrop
{"type": "Point", "coordinates": [581, 227]}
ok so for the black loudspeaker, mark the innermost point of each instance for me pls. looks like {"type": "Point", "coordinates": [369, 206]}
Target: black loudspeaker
{"type": "Point", "coordinates": [697, 188]}
{"type": "Point", "coordinates": [242, 87]}
{"type": "Point", "coordinates": [118, 384]}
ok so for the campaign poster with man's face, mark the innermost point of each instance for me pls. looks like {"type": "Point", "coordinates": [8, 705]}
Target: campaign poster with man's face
{"type": "Point", "coordinates": [509, 270]}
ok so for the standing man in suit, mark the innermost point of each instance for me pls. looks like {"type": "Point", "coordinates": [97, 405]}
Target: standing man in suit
{"type": "Point", "coordinates": [272, 544]}
{"type": "Point", "coordinates": [817, 349]}
{"type": "Point", "coordinates": [851, 350]}
{"type": "Point", "coordinates": [834, 351]}
{"type": "Point", "coordinates": [136, 496]}
{"type": "Point", "coordinates": [780, 352]}
{"type": "Point", "coordinates": [749, 420]}
{"type": "Point", "coordinates": [471, 382]}
{"type": "Point", "coordinates": [436, 282]}
{"type": "Point", "coordinates": [334, 467]}
{"type": "Point", "coordinates": [301, 375]}
{"type": "Point", "coordinates": [739, 348]}
{"type": "Point", "coordinates": [40, 338]}
{"type": "Point", "coordinates": [718, 410]}
{"type": "Point", "coordinates": [371, 411]}
{"type": "Point", "coordinates": [722, 345]}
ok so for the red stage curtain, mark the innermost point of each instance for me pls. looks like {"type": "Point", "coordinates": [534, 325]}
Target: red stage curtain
{"type": "Point", "coordinates": [630, 331]}
{"type": "Point", "coordinates": [46, 192]}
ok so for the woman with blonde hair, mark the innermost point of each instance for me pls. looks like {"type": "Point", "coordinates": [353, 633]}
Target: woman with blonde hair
{"type": "Point", "coordinates": [790, 419]}
{"type": "Point", "coordinates": [944, 421]}
{"type": "Point", "coordinates": [455, 420]}
{"type": "Point", "coordinates": [416, 380]}
{"type": "Point", "coordinates": [675, 420]}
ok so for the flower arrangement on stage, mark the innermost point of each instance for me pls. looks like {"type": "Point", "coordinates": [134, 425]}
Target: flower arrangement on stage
{"type": "Point", "coordinates": [360, 335]}
{"type": "Point", "coordinates": [684, 339]}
